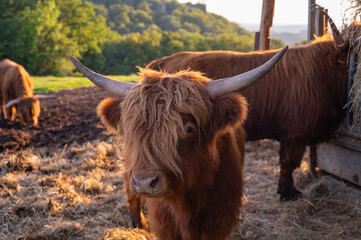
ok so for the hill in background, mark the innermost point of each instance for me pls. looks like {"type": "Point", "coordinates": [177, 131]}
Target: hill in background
{"type": "Point", "coordinates": [289, 34]}
{"type": "Point", "coordinates": [129, 16]}
{"type": "Point", "coordinates": [111, 36]}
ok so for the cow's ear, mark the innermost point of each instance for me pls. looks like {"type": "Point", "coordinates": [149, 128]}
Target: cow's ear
{"type": "Point", "coordinates": [229, 111]}
{"type": "Point", "coordinates": [109, 111]}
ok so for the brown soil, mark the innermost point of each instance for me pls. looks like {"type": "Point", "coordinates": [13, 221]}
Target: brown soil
{"type": "Point", "coordinates": [70, 117]}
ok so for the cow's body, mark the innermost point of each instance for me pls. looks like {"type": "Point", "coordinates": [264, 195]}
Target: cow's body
{"type": "Point", "coordinates": [15, 83]}
{"type": "Point", "coordinates": [183, 147]}
{"type": "Point", "coordinates": [190, 145]}
{"type": "Point", "coordinates": [299, 103]}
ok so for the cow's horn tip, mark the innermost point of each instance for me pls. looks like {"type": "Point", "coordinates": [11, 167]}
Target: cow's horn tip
{"type": "Point", "coordinates": [285, 48]}
{"type": "Point", "coordinates": [70, 57]}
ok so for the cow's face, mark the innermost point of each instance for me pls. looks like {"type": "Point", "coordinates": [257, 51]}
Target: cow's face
{"type": "Point", "coordinates": [29, 110]}
{"type": "Point", "coordinates": [169, 124]}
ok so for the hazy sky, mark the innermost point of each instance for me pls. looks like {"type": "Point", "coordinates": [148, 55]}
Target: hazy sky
{"type": "Point", "coordinates": [286, 11]}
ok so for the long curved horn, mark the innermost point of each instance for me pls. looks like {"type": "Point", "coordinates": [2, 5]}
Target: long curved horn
{"type": "Point", "coordinates": [337, 37]}
{"type": "Point", "coordinates": [12, 103]}
{"type": "Point", "coordinates": [44, 96]}
{"type": "Point", "coordinates": [227, 85]}
{"type": "Point", "coordinates": [112, 86]}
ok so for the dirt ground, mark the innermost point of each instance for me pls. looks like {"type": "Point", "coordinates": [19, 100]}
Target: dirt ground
{"type": "Point", "coordinates": [62, 180]}
{"type": "Point", "coordinates": [68, 118]}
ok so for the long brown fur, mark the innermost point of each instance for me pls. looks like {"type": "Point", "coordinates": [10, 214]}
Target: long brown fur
{"type": "Point", "coordinates": [202, 169]}
{"type": "Point", "coordinates": [299, 102]}
{"type": "Point", "coordinates": [161, 111]}
{"type": "Point", "coordinates": [15, 83]}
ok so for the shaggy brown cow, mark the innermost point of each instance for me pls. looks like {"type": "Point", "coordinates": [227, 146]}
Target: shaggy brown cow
{"type": "Point", "coordinates": [299, 103]}
{"type": "Point", "coordinates": [183, 147]}
{"type": "Point", "coordinates": [16, 93]}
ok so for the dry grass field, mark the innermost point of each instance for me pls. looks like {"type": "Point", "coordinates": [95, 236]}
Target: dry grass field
{"type": "Point", "coordinates": [66, 184]}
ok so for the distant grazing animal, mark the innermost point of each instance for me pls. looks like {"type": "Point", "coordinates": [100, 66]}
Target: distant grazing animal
{"type": "Point", "coordinates": [299, 103]}
{"type": "Point", "coordinates": [183, 145]}
{"type": "Point", "coordinates": [16, 93]}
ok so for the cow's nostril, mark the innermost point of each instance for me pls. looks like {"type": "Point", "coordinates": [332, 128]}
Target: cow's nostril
{"type": "Point", "coordinates": [154, 182]}
{"type": "Point", "coordinates": [147, 185]}
{"type": "Point", "coordinates": [136, 180]}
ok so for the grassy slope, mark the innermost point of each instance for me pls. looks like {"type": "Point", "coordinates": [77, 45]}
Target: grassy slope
{"type": "Point", "coordinates": [48, 84]}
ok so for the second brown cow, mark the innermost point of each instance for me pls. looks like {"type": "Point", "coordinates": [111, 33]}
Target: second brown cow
{"type": "Point", "coordinates": [299, 103]}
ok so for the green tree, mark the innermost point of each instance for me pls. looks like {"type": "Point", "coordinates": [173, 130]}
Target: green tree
{"type": "Point", "coordinates": [144, 6]}
{"type": "Point", "coordinates": [119, 19]}
{"type": "Point", "coordinates": [169, 23]}
{"type": "Point", "coordinates": [126, 53]}
{"type": "Point", "coordinates": [142, 13]}
{"type": "Point", "coordinates": [277, 43]}
{"type": "Point", "coordinates": [194, 42]}
{"type": "Point", "coordinates": [101, 10]}
{"type": "Point", "coordinates": [230, 41]}
{"type": "Point", "coordinates": [36, 40]}
{"type": "Point", "coordinates": [40, 34]}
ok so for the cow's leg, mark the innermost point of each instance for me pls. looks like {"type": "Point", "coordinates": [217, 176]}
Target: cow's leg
{"type": "Point", "coordinates": [313, 160]}
{"type": "Point", "coordinates": [22, 120]}
{"type": "Point", "coordinates": [10, 113]}
{"type": "Point", "coordinates": [135, 206]}
{"type": "Point", "coordinates": [3, 114]}
{"type": "Point", "coordinates": [161, 221]}
{"type": "Point", "coordinates": [290, 158]}
{"type": "Point", "coordinates": [136, 213]}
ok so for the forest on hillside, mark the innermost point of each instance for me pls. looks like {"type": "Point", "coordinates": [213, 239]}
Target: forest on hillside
{"type": "Point", "coordinates": [111, 36]}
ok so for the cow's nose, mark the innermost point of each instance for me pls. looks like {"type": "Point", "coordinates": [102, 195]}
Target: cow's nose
{"type": "Point", "coordinates": [145, 186]}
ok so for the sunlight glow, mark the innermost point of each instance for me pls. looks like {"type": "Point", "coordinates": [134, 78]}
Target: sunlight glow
{"type": "Point", "coordinates": [287, 12]}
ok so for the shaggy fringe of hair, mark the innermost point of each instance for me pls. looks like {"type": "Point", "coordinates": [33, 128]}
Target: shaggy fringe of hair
{"type": "Point", "coordinates": [153, 114]}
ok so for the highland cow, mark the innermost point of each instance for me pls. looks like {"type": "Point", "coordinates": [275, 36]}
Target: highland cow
{"type": "Point", "coordinates": [183, 145]}
{"type": "Point", "coordinates": [16, 93]}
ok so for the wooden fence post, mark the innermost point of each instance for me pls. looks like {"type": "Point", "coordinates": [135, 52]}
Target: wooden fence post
{"type": "Point", "coordinates": [256, 41]}
{"type": "Point", "coordinates": [319, 21]}
{"type": "Point", "coordinates": [266, 23]}
{"type": "Point", "coordinates": [311, 21]}
{"type": "Point", "coordinates": [317, 25]}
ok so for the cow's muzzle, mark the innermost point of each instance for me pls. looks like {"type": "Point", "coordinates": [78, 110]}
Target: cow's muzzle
{"type": "Point", "coordinates": [150, 186]}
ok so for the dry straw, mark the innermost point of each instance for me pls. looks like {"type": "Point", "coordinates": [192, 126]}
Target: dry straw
{"type": "Point", "coordinates": [43, 196]}
{"type": "Point", "coordinates": [351, 33]}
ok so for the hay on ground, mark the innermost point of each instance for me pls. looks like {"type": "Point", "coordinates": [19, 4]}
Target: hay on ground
{"type": "Point", "coordinates": [77, 192]}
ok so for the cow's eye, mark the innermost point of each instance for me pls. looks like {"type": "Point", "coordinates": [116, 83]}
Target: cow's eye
{"type": "Point", "coordinates": [188, 130]}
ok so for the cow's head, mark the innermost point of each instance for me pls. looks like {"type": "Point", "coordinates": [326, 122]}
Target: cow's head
{"type": "Point", "coordinates": [28, 108]}
{"type": "Point", "coordinates": [170, 123]}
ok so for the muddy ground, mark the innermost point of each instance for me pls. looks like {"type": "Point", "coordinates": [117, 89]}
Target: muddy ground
{"type": "Point", "coordinates": [68, 118]}
{"type": "Point", "coordinates": [62, 180]}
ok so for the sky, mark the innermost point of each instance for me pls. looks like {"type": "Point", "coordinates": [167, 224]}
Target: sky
{"type": "Point", "coordinates": [287, 12]}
